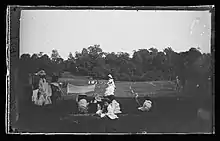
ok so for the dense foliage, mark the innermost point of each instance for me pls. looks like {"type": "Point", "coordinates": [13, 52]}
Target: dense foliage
{"type": "Point", "coordinates": [144, 65]}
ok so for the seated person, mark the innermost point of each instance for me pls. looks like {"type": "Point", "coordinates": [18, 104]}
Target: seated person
{"type": "Point", "coordinates": [102, 106]}
{"type": "Point", "coordinates": [82, 103]}
{"type": "Point", "coordinates": [147, 104]}
{"type": "Point", "coordinates": [114, 103]}
{"type": "Point", "coordinates": [93, 105]}
{"type": "Point", "coordinates": [108, 110]}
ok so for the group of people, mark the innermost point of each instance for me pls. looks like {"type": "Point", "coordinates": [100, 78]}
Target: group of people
{"type": "Point", "coordinates": [107, 105]}
{"type": "Point", "coordinates": [104, 105]}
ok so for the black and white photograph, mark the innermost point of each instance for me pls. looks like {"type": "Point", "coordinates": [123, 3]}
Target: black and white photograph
{"type": "Point", "coordinates": [110, 70]}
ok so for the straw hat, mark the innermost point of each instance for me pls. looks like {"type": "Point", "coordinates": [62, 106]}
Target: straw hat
{"type": "Point", "coordinates": [42, 72]}
{"type": "Point", "coordinates": [110, 76]}
{"type": "Point", "coordinates": [98, 98]}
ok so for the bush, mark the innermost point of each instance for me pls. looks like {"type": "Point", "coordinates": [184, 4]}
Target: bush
{"type": "Point", "coordinates": [136, 78]}
{"type": "Point", "coordinates": [152, 76]}
{"type": "Point", "coordinates": [124, 77]}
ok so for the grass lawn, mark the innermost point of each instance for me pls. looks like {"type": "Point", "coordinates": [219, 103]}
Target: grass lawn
{"type": "Point", "coordinates": [154, 88]}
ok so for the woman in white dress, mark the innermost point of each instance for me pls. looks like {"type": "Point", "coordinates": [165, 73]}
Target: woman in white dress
{"type": "Point", "coordinates": [111, 86]}
{"type": "Point", "coordinates": [44, 90]}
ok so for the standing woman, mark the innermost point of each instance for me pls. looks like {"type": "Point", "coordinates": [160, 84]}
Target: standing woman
{"type": "Point", "coordinates": [111, 87]}
{"type": "Point", "coordinates": [42, 88]}
{"type": "Point", "coordinates": [56, 93]}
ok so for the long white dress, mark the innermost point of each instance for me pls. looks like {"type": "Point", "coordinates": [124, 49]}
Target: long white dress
{"type": "Point", "coordinates": [45, 92]}
{"type": "Point", "coordinates": [110, 90]}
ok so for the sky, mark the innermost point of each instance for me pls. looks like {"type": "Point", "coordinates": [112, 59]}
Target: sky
{"type": "Point", "coordinates": [114, 30]}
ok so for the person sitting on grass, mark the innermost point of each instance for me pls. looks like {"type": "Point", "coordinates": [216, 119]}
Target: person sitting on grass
{"type": "Point", "coordinates": [100, 104]}
{"type": "Point", "coordinates": [94, 104]}
{"type": "Point", "coordinates": [147, 105]}
{"type": "Point", "coordinates": [109, 109]}
{"type": "Point", "coordinates": [82, 103]}
{"type": "Point", "coordinates": [115, 105]}
{"type": "Point", "coordinates": [103, 107]}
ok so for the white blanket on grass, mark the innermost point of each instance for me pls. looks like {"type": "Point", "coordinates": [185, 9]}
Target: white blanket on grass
{"type": "Point", "coordinates": [79, 89]}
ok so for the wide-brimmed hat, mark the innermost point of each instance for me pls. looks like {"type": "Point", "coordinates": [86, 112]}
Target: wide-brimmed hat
{"type": "Point", "coordinates": [41, 72]}
{"type": "Point", "coordinates": [98, 98]}
{"type": "Point", "coordinates": [110, 76]}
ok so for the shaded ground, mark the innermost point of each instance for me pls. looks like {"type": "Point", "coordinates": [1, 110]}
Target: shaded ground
{"type": "Point", "coordinates": [168, 115]}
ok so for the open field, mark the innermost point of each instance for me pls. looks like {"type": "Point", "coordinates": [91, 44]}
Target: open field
{"type": "Point", "coordinates": [153, 89]}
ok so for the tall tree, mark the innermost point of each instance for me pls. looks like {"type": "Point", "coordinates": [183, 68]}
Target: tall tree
{"type": "Point", "coordinates": [40, 54]}
{"type": "Point", "coordinates": [170, 67]}
{"type": "Point", "coordinates": [55, 55]}
{"type": "Point", "coordinates": [70, 57]}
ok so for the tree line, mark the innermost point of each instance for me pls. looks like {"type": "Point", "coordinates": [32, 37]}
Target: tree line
{"type": "Point", "coordinates": [143, 65]}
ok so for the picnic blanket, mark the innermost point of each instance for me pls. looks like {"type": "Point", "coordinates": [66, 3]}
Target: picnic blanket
{"type": "Point", "coordinates": [79, 89]}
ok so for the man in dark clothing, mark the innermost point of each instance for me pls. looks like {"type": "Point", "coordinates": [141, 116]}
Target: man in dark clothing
{"type": "Point", "coordinates": [54, 77]}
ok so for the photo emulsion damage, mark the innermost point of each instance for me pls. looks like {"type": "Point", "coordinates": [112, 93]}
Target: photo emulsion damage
{"type": "Point", "coordinates": [117, 71]}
